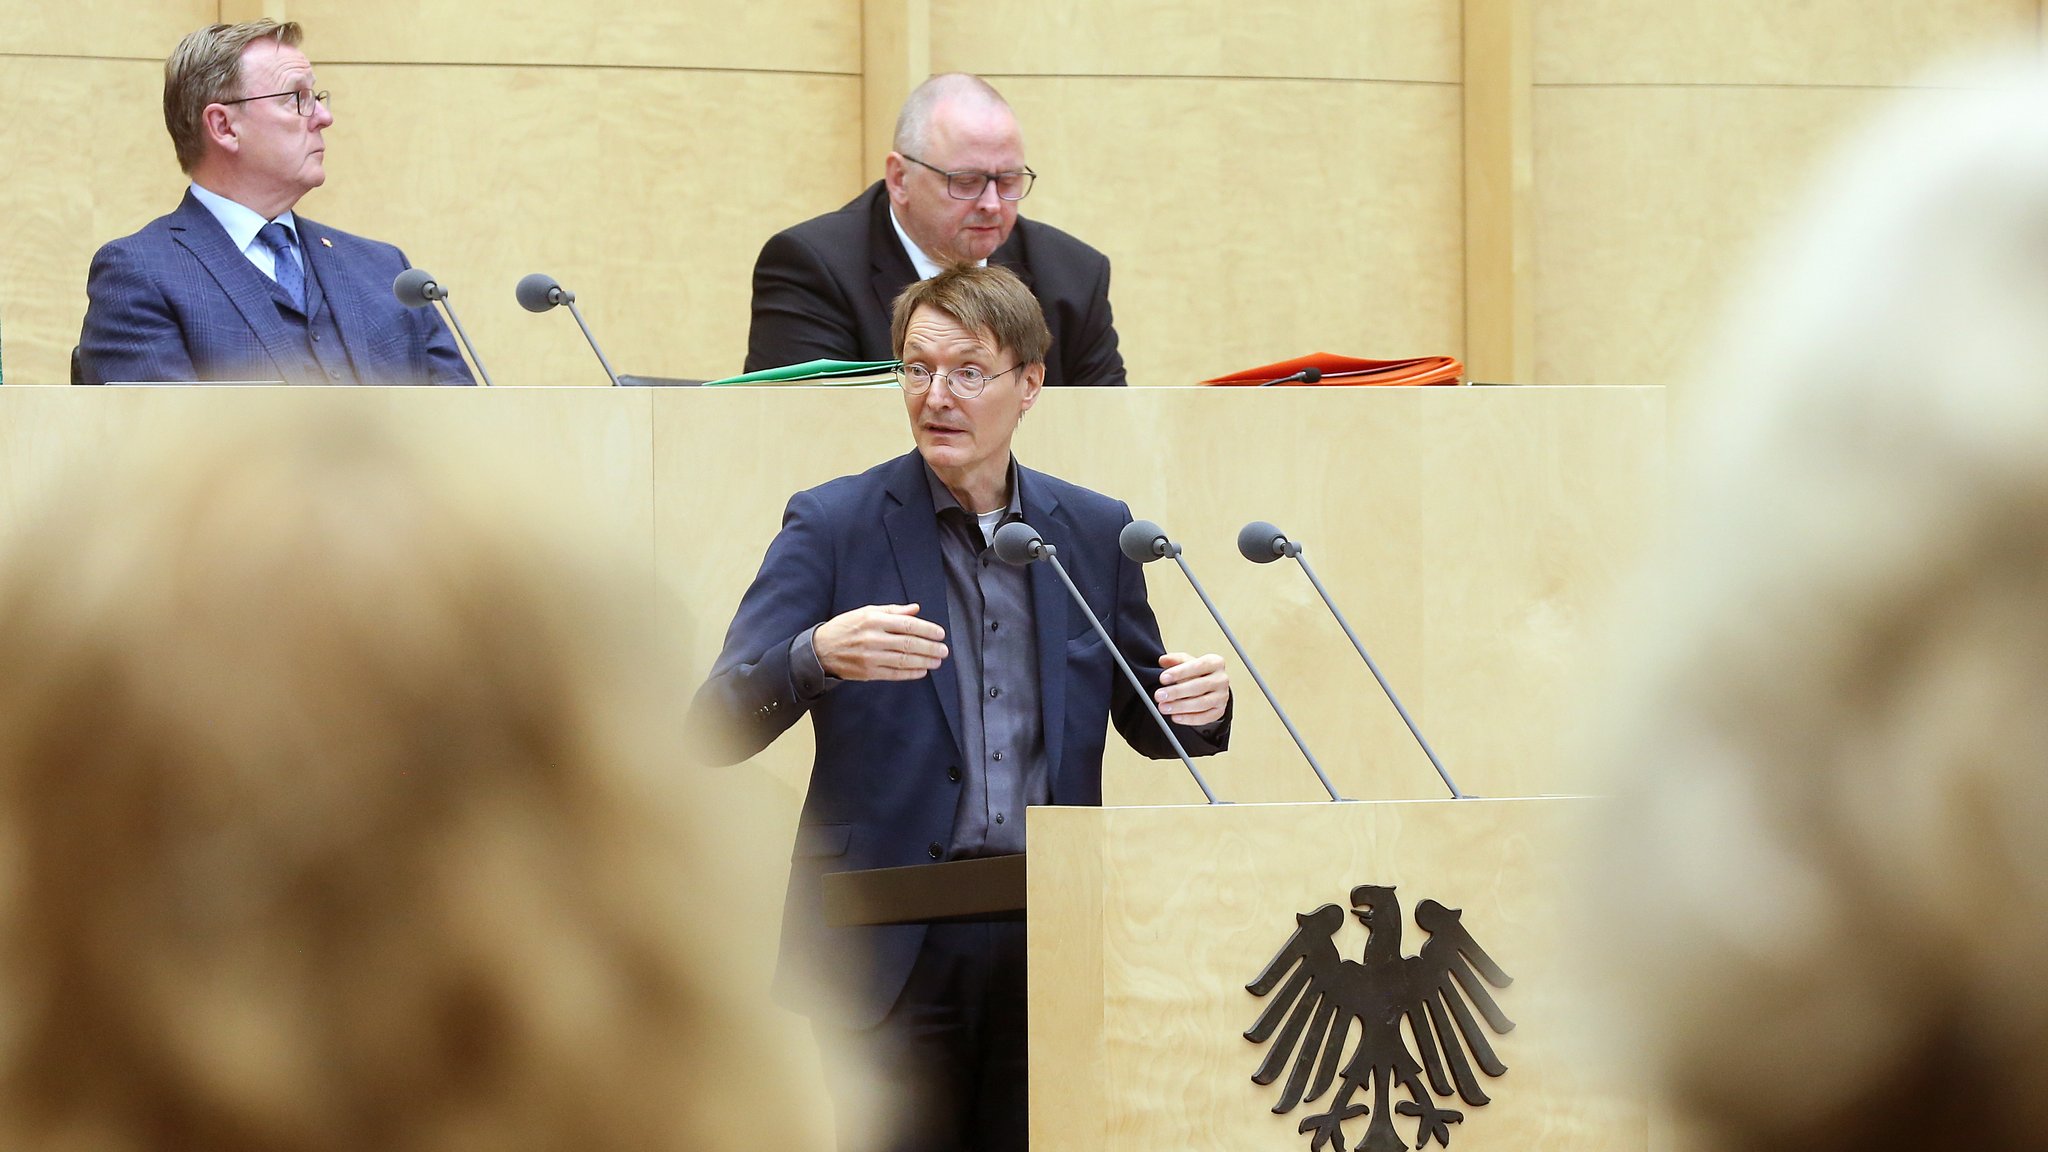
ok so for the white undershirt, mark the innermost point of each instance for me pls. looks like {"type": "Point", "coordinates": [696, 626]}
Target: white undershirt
{"type": "Point", "coordinates": [925, 265]}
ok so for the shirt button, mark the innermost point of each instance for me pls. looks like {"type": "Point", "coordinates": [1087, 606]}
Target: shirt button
{"type": "Point", "coordinates": [334, 372]}
{"type": "Point", "coordinates": [316, 337]}
{"type": "Point", "coordinates": [994, 692]}
{"type": "Point", "coordinates": [936, 850]}
{"type": "Point", "coordinates": [953, 772]}
{"type": "Point", "coordinates": [999, 817]}
{"type": "Point", "coordinates": [999, 755]}
{"type": "Point", "coordinates": [995, 625]}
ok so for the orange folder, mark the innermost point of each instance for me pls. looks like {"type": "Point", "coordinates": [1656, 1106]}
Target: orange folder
{"type": "Point", "coordinates": [1348, 370]}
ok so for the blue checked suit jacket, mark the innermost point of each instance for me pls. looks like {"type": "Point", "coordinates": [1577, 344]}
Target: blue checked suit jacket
{"type": "Point", "coordinates": [176, 301]}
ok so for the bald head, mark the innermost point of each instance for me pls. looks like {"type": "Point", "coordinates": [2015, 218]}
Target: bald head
{"type": "Point", "coordinates": [959, 93]}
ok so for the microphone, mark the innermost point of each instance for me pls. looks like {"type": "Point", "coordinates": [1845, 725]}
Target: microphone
{"type": "Point", "coordinates": [1018, 543]}
{"type": "Point", "coordinates": [1143, 541]}
{"type": "Point", "coordinates": [539, 292]}
{"type": "Point", "coordinates": [416, 288]}
{"type": "Point", "coordinates": [1306, 376]}
{"type": "Point", "coordinates": [1262, 543]}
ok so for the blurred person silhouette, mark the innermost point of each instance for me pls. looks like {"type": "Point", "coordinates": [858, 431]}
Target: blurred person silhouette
{"type": "Point", "coordinates": [340, 810]}
{"type": "Point", "coordinates": [1827, 883]}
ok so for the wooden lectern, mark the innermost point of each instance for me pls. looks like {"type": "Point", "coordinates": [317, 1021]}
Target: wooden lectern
{"type": "Point", "coordinates": [1145, 925]}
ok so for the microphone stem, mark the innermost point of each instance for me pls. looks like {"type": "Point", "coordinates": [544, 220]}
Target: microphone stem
{"type": "Point", "coordinates": [1053, 559]}
{"type": "Point", "coordinates": [473, 357]}
{"type": "Point", "coordinates": [578, 314]}
{"type": "Point", "coordinates": [1388, 688]}
{"type": "Point", "coordinates": [1256, 678]}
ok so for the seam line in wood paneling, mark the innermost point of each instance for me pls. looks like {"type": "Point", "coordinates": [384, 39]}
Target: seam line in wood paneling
{"type": "Point", "coordinates": [1211, 76]}
{"type": "Point", "coordinates": [1764, 86]}
{"type": "Point", "coordinates": [77, 56]}
{"type": "Point", "coordinates": [326, 62]}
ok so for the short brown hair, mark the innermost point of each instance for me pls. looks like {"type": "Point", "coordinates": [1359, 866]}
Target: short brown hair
{"type": "Point", "coordinates": [989, 300]}
{"type": "Point", "coordinates": [206, 68]}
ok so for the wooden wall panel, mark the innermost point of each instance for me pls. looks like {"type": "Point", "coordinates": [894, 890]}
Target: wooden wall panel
{"type": "Point", "coordinates": [1815, 42]}
{"type": "Point", "coordinates": [1383, 40]}
{"type": "Point", "coordinates": [1250, 220]}
{"type": "Point", "coordinates": [86, 159]}
{"type": "Point", "coordinates": [1672, 135]}
{"type": "Point", "coordinates": [1649, 201]}
{"type": "Point", "coordinates": [648, 192]}
{"type": "Point", "coordinates": [773, 35]}
{"type": "Point", "coordinates": [104, 29]}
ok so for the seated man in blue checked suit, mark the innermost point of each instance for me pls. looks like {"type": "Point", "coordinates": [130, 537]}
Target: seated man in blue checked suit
{"type": "Point", "coordinates": [232, 285]}
{"type": "Point", "coordinates": [948, 692]}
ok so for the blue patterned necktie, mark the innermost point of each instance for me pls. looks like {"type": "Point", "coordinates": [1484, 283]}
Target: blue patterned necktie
{"type": "Point", "coordinates": [290, 276]}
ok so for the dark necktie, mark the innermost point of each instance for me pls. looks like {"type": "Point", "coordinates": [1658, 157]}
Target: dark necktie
{"type": "Point", "coordinates": [290, 276]}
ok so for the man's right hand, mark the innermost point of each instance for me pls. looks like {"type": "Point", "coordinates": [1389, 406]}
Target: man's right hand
{"type": "Point", "coordinates": [879, 642]}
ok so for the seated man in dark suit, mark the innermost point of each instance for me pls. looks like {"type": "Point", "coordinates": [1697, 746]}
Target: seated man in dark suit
{"type": "Point", "coordinates": [232, 285]}
{"type": "Point", "coordinates": [822, 289]}
{"type": "Point", "coordinates": [948, 692]}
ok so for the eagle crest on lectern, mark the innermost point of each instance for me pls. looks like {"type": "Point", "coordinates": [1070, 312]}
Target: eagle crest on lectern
{"type": "Point", "coordinates": [1341, 1020]}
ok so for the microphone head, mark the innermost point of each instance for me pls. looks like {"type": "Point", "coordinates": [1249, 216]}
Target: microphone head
{"type": "Point", "coordinates": [1144, 541]}
{"type": "Point", "coordinates": [1018, 543]}
{"type": "Point", "coordinates": [1261, 543]}
{"type": "Point", "coordinates": [1311, 375]}
{"type": "Point", "coordinates": [539, 292]}
{"type": "Point", "coordinates": [415, 288]}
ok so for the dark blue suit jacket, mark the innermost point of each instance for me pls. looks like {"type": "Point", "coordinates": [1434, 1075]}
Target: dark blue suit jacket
{"type": "Point", "coordinates": [177, 301]}
{"type": "Point", "coordinates": [881, 793]}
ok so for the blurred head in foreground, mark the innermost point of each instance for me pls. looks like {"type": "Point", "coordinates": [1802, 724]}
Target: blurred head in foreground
{"type": "Point", "coordinates": [337, 811]}
{"type": "Point", "coordinates": [1830, 878]}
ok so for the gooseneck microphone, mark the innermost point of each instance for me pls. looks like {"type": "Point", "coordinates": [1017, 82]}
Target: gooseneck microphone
{"type": "Point", "coordinates": [1019, 543]}
{"type": "Point", "coordinates": [539, 292]}
{"type": "Point", "coordinates": [1262, 543]}
{"type": "Point", "coordinates": [1143, 541]}
{"type": "Point", "coordinates": [416, 288]}
{"type": "Point", "coordinates": [1306, 376]}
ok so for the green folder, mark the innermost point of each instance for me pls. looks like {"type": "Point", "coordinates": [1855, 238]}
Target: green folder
{"type": "Point", "coordinates": [830, 373]}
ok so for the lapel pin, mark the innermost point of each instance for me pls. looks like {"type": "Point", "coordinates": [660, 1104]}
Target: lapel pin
{"type": "Point", "coordinates": [326, 243]}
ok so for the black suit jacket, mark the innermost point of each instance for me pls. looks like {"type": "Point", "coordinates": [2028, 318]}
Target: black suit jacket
{"type": "Point", "coordinates": [822, 290]}
{"type": "Point", "coordinates": [885, 782]}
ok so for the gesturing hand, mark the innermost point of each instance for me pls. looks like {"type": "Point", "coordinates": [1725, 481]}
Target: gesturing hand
{"type": "Point", "coordinates": [879, 642]}
{"type": "Point", "coordinates": [1194, 690]}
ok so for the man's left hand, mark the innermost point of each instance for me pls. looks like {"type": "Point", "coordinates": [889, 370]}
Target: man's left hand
{"type": "Point", "coordinates": [1194, 690]}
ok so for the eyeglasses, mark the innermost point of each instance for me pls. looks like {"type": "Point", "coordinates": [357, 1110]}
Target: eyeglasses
{"type": "Point", "coordinates": [967, 185]}
{"type": "Point", "coordinates": [303, 100]}
{"type": "Point", "coordinates": [966, 383]}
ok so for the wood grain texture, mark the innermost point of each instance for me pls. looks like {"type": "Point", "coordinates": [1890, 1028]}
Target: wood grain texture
{"type": "Point", "coordinates": [1471, 535]}
{"type": "Point", "coordinates": [1649, 201]}
{"type": "Point", "coordinates": [105, 29]}
{"type": "Point", "coordinates": [86, 160]}
{"type": "Point", "coordinates": [1383, 40]}
{"type": "Point", "coordinates": [1147, 923]}
{"type": "Point", "coordinates": [896, 56]}
{"type": "Point", "coordinates": [647, 192]}
{"type": "Point", "coordinates": [772, 35]}
{"type": "Point", "coordinates": [1500, 201]}
{"type": "Point", "coordinates": [1815, 42]}
{"type": "Point", "coordinates": [1252, 220]}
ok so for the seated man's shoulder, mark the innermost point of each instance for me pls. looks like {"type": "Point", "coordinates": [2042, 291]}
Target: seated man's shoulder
{"type": "Point", "coordinates": [1045, 242]}
{"type": "Point", "coordinates": [843, 228]}
{"type": "Point", "coordinates": [348, 244]}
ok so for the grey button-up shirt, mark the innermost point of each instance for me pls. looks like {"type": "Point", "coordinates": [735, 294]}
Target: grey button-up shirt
{"type": "Point", "coordinates": [995, 661]}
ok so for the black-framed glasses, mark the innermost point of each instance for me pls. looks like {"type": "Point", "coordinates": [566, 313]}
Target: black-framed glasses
{"type": "Point", "coordinates": [303, 99]}
{"type": "Point", "coordinates": [967, 185]}
{"type": "Point", "coordinates": [966, 383]}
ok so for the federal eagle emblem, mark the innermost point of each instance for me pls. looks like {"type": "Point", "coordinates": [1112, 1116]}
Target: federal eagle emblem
{"type": "Point", "coordinates": [1327, 999]}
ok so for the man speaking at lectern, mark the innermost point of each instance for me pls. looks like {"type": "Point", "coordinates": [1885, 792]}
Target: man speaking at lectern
{"type": "Point", "coordinates": [231, 285]}
{"type": "Point", "coordinates": [947, 691]}
{"type": "Point", "coordinates": [949, 194]}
